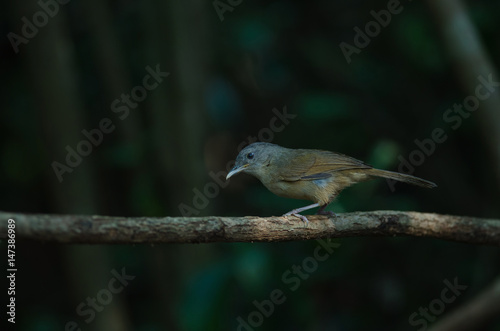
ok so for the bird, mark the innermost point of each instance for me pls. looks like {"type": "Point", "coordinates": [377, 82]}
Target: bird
{"type": "Point", "coordinates": [309, 174]}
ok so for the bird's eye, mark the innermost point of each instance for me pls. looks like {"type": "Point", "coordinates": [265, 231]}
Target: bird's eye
{"type": "Point", "coordinates": [250, 156]}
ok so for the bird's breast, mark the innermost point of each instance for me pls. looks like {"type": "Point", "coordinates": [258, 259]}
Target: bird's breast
{"type": "Point", "coordinates": [314, 190]}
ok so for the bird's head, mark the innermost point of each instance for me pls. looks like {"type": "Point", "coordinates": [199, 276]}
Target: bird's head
{"type": "Point", "coordinates": [253, 158]}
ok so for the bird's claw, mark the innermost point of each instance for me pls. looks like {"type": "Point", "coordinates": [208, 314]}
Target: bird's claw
{"type": "Point", "coordinates": [327, 213]}
{"type": "Point", "coordinates": [302, 217]}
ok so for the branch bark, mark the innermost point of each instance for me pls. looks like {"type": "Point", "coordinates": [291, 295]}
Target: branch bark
{"type": "Point", "coordinates": [92, 229]}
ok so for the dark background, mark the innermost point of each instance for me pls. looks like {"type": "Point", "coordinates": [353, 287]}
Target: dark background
{"type": "Point", "coordinates": [226, 77]}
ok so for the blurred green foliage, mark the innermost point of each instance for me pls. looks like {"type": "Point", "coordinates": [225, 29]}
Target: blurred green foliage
{"type": "Point", "coordinates": [226, 78]}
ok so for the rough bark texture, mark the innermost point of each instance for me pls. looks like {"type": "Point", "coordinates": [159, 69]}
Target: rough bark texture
{"type": "Point", "coordinates": [121, 230]}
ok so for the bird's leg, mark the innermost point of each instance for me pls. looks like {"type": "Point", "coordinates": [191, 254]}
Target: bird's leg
{"type": "Point", "coordinates": [322, 211]}
{"type": "Point", "coordinates": [296, 212]}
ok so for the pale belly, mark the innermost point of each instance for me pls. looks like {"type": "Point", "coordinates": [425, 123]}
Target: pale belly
{"type": "Point", "coordinates": [314, 190]}
{"type": "Point", "coordinates": [321, 191]}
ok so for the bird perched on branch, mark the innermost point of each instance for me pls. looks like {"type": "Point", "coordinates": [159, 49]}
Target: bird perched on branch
{"type": "Point", "coordinates": [309, 174]}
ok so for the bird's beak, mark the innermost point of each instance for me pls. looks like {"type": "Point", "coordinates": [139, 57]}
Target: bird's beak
{"type": "Point", "coordinates": [236, 169]}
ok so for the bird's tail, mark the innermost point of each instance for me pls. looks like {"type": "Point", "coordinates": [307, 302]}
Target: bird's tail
{"type": "Point", "coordinates": [402, 178]}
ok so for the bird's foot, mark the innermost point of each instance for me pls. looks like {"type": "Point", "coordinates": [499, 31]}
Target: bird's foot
{"type": "Point", "coordinates": [326, 213]}
{"type": "Point", "coordinates": [302, 217]}
{"type": "Point", "coordinates": [322, 211]}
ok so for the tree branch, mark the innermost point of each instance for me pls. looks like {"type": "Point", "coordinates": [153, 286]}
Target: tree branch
{"type": "Point", "coordinates": [90, 229]}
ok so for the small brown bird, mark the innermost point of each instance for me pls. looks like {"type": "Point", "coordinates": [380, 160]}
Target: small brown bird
{"type": "Point", "coordinates": [309, 174]}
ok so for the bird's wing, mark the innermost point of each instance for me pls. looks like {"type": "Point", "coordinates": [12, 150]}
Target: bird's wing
{"type": "Point", "coordinates": [314, 165]}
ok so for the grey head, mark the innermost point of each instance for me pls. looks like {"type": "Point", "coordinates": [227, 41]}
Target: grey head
{"type": "Point", "coordinates": [252, 158]}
